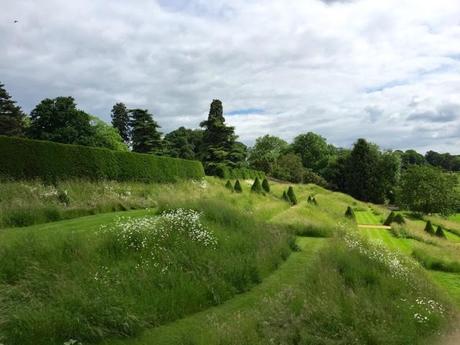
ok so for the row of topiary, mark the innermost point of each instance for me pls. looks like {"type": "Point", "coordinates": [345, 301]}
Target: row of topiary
{"type": "Point", "coordinates": [430, 230]}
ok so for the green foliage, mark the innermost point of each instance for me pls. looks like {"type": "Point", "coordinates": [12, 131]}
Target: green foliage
{"type": "Point", "coordinates": [399, 219]}
{"type": "Point", "coordinates": [184, 143]}
{"type": "Point", "coordinates": [12, 119]}
{"type": "Point", "coordinates": [145, 135]}
{"type": "Point", "coordinates": [28, 159]}
{"type": "Point", "coordinates": [390, 218]}
{"type": "Point", "coordinates": [256, 186]}
{"type": "Point", "coordinates": [313, 149]}
{"type": "Point", "coordinates": [428, 190]}
{"type": "Point", "coordinates": [59, 120]}
{"type": "Point", "coordinates": [121, 121]}
{"type": "Point", "coordinates": [227, 172]}
{"type": "Point", "coordinates": [266, 185]}
{"type": "Point", "coordinates": [440, 232]}
{"type": "Point", "coordinates": [349, 213]}
{"type": "Point", "coordinates": [312, 200]}
{"type": "Point", "coordinates": [238, 187]}
{"type": "Point", "coordinates": [435, 263]}
{"type": "Point", "coordinates": [311, 177]}
{"type": "Point", "coordinates": [229, 185]}
{"type": "Point", "coordinates": [291, 195]}
{"type": "Point", "coordinates": [285, 196]}
{"type": "Point", "coordinates": [265, 153]}
{"type": "Point", "coordinates": [429, 228]}
{"type": "Point", "coordinates": [105, 136]}
{"type": "Point", "coordinates": [289, 168]}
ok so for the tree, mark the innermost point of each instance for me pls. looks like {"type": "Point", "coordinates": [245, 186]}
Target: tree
{"type": "Point", "coordinates": [256, 186]}
{"type": "Point", "coordinates": [59, 120]}
{"type": "Point", "coordinates": [313, 149]}
{"type": "Point", "coordinates": [11, 116]}
{"type": "Point", "coordinates": [266, 185]}
{"type": "Point", "coordinates": [145, 135]}
{"type": "Point", "coordinates": [291, 195]}
{"type": "Point", "coordinates": [429, 228]}
{"type": "Point", "coordinates": [285, 197]}
{"type": "Point", "coordinates": [238, 187]}
{"type": "Point", "coordinates": [229, 185]}
{"type": "Point", "coordinates": [121, 121]}
{"type": "Point", "coordinates": [335, 172]}
{"type": "Point", "coordinates": [184, 143]}
{"type": "Point", "coordinates": [411, 157]}
{"type": "Point", "coordinates": [349, 213]}
{"type": "Point", "coordinates": [266, 151]}
{"type": "Point", "coordinates": [219, 139]}
{"type": "Point", "coordinates": [427, 189]}
{"type": "Point", "coordinates": [104, 135]}
{"type": "Point", "coordinates": [389, 219]}
{"type": "Point", "coordinates": [289, 168]}
{"type": "Point", "coordinates": [439, 232]}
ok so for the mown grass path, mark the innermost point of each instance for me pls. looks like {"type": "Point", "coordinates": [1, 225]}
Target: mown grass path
{"type": "Point", "coordinates": [367, 218]}
{"type": "Point", "coordinates": [205, 327]}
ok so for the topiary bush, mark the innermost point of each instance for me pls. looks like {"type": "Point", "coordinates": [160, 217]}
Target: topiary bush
{"type": "Point", "coordinates": [429, 228]}
{"type": "Point", "coordinates": [285, 197]}
{"type": "Point", "coordinates": [399, 219]}
{"type": "Point", "coordinates": [440, 232]}
{"type": "Point", "coordinates": [266, 185]}
{"type": "Point", "coordinates": [312, 200]}
{"type": "Point", "coordinates": [238, 187]}
{"type": "Point", "coordinates": [349, 213]}
{"type": "Point", "coordinates": [229, 185]}
{"type": "Point", "coordinates": [30, 159]}
{"type": "Point", "coordinates": [256, 186]}
{"type": "Point", "coordinates": [389, 219]}
{"type": "Point", "coordinates": [291, 195]}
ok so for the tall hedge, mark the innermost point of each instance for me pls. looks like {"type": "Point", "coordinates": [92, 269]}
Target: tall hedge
{"type": "Point", "coordinates": [27, 159]}
{"type": "Point", "coordinates": [226, 172]}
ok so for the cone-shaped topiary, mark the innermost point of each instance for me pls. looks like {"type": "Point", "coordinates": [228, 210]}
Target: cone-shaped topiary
{"type": "Point", "coordinates": [429, 228]}
{"type": "Point", "coordinates": [285, 197]}
{"type": "Point", "coordinates": [349, 213]}
{"type": "Point", "coordinates": [399, 219]}
{"type": "Point", "coordinates": [291, 195]}
{"type": "Point", "coordinates": [389, 219]}
{"type": "Point", "coordinates": [229, 185]}
{"type": "Point", "coordinates": [313, 200]}
{"type": "Point", "coordinates": [265, 185]}
{"type": "Point", "coordinates": [256, 186]}
{"type": "Point", "coordinates": [440, 232]}
{"type": "Point", "coordinates": [238, 187]}
{"type": "Point", "coordinates": [310, 199]}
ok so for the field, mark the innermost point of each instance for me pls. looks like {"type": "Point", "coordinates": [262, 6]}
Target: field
{"type": "Point", "coordinates": [193, 263]}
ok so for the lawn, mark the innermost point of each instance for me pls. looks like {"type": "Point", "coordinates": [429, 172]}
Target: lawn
{"type": "Point", "coordinates": [367, 218]}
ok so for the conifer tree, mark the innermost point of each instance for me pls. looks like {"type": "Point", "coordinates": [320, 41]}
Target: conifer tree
{"type": "Point", "coordinates": [429, 228]}
{"type": "Point", "coordinates": [121, 121]}
{"type": "Point", "coordinates": [238, 187]}
{"type": "Point", "coordinates": [11, 116]}
{"type": "Point", "coordinates": [389, 219]}
{"type": "Point", "coordinates": [266, 185]}
{"type": "Point", "coordinates": [291, 195]}
{"type": "Point", "coordinates": [229, 185]}
{"type": "Point", "coordinates": [439, 232]}
{"type": "Point", "coordinates": [256, 186]}
{"type": "Point", "coordinates": [145, 135]}
{"type": "Point", "coordinates": [349, 213]}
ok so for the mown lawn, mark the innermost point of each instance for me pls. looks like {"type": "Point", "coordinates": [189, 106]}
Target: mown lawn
{"type": "Point", "coordinates": [367, 218]}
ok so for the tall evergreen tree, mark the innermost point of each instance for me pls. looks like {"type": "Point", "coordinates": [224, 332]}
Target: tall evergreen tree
{"type": "Point", "coordinates": [219, 139]}
{"type": "Point", "coordinates": [11, 116]}
{"type": "Point", "coordinates": [145, 135]}
{"type": "Point", "coordinates": [120, 121]}
{"type": "Point", "coordinates": [184, 143]}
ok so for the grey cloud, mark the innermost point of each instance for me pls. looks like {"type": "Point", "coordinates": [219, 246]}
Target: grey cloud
{"type": "Point", "coordinates": [443, 114]}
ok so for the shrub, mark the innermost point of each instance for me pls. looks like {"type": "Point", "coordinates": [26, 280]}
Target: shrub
{"type": "Point", "coordinates": [312, 200]}
{"type": "Point", "coordinates": [256, 186]}
{"type": "Point", "coordinates": [389, 219]}
{"type": "Point", "coordinates": [266, 185]}
{"type": "Point", "coordinates": [439, 232]}
{"type": "Point", "coordinates": [29, 159]}
{"type": "Point", "coordinates": [435, 263]}
{"type": "Point", "coordinates": [349, 213]}
{"type": "Point", "coordinates": [285, 197]}
{"type": "Point", "coordinates": [229, 185]}
{"type": "Point", "coordinates": [291, 195]}
{"type": "Point", "coordinates": [238, 187]}
{"type": "Point", "coordinates": [429, 228]}
{"type": "Point", "coordinates": [399, 219]}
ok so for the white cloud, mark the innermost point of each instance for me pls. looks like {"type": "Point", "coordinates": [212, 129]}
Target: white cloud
{"type": "Point", "coordinates": [344, 69]}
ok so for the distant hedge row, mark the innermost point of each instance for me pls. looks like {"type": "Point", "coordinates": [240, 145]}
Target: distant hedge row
{"type": "Point", "coordinates": [26, 159]}
{"type": "Point", "coordinates": [226, 172]}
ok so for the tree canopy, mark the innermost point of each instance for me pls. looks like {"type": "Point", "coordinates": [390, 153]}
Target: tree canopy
{"type": "Point", "coordinates": [11, 116]}
{"type": "Point", "coordinates": [265, 153]}
{"type": "Point", "coordinates": [145, 135]}
{"type": "Point", "coordinates": [184, 143]}
{"type": "Point", "coordinates": [121, 121]}
{"type": "Point", "coordinates": [313, 149]}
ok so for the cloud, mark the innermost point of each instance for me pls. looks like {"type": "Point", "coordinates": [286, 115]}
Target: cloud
{"type": "Point", "coordinates": [383, 70]}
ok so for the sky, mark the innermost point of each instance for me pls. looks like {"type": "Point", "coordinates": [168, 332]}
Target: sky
{"type": "Point", "coordinates": [388, 71]}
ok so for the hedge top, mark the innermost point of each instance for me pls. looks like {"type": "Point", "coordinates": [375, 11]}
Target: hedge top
{"type": "Point", "coordinates": [27, 159]}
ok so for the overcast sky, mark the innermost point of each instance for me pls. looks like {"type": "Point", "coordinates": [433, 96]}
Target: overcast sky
{"type": "Point", "coordinates": [386, 70]}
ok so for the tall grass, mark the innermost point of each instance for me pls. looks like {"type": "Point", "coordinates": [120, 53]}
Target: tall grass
{"type": "Point", "coordinates": [130, 275]}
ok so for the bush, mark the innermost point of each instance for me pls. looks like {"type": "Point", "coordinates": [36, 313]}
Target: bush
{"type": "Point", "coordinates": [229, 185]}
{"type": "Point", "coordinates": [429, 228]}
{"type": "Point", "coordinates": [266, 185]}
{"type": "Point", "coordinates": [312, 200]}
{"type": "Point", "coordinates": [223, 171]}
{"type": "Point", "coordinates": [349, 213]}
{"type": "Point", "coordinates": [399, 219]}
{"type": "Point", "coordinates": [29, 159]}
{"type": "Point", "coordinates": [291, 195]}
{"type": "Point", "coordinates": [439, 232]}
{"type": "Point", "coordinates": [256, 186]}
{"type": "Point", "coordinates": [285, 197]}
{"type": "Point", "coordinates": [238, 187]}
{"type": "Point", "coordinates": [310, 177]}
{"type": "Point", "coordinates": [389, 219]}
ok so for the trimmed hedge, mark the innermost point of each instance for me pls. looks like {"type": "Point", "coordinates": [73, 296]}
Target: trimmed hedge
{"type": "Point", "coordinates": [226, 172]}
{"type": "Point", "coordinates": [28, 159]}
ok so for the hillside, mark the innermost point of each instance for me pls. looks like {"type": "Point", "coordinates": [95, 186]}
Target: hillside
{"type": "Point", "coordinates": [97, 278]}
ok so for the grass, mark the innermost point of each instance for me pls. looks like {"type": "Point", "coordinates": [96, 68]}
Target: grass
{"type": "Point", "coordinates": [368, 218]}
